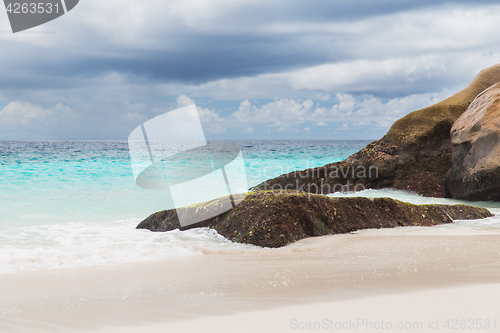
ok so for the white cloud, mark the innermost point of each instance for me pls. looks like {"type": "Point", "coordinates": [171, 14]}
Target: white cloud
{"type": "Point", "coordinates": [133, 116]}
{"type": "Point", "coordinates": [25, 120]}
{"type": "Point", "coordinates": [183, 100]}
{"type": "Point", "coordinates": [365, 75]}
{"type": "Point", "coordinates": [344, 127]}
{"type": "Point", "coordinates": [368, 114]}
{"type": "Point", "coordinates": [22, 114]}
{"type": "Point", "coordinates": [285, 114]}
{"type": "Point", "coordinates": [206, 115]}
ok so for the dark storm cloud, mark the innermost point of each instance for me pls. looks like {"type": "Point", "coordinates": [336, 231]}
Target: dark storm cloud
{"type": "Point", "coordinates": [205, 59]}
{"type": "Point", "coordinates": [203, 56]}
{"type": "Point", "coordinates": [109, 66]}
{"type": "Point", "coordinates": [314, 10]}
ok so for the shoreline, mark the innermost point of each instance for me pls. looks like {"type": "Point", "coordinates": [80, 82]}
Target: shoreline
{"type": "Point", "coordinates": [313, 275]}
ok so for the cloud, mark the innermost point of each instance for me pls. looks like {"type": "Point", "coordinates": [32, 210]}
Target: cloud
{"type": "Point", "coordinates": [210, 118]}
{"type": "Point", "coordinates": [17, 113]}
{"type": "Point", "coordinates": [284, 114]}
{"type": "Point", "coordinates": [183, 100]}
{"type": "Point", "coordinates": [414, 43]}
{"type": "Point", "coordinates": [366, 117]}
{"type": "Point", "coordinates": [25, 120]}
{"type": "Point", "coordinates": [368, 76]}
{"type": "Point", "coordinates": [276, 66]}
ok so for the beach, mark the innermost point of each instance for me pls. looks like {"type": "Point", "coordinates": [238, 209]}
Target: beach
{"type": "Point", "coordinates": [402, 275]}
{"type": "Point", "coordinates": [72, 260]}
{"type": "Point", "coordinates": [249, 166]}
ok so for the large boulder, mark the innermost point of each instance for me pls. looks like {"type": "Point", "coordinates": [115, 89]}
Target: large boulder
{"type": "Point", "coordinates": [414, 155]}
{"type": "Point", "coordinates": [278, 218]}
{"type": "Point", "coordinates": [475, 171]}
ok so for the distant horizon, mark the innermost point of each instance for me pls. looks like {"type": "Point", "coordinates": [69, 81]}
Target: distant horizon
{"type": "Point", "coordinates": [208, 140]}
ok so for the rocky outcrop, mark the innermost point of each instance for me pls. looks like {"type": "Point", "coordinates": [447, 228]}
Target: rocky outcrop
{"type": "Point", "coordinates": [414, 155]}
{"type": "Point", "coordinates": [475, 171]}
{"type": "Point", "coordinates": [278, 218]}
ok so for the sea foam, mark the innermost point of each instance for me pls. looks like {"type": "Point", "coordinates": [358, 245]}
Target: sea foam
{"type": "Point", "coordinates": [76, 245]}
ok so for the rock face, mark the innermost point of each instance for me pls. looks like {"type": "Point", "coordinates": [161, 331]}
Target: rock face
{"type": "Point", "coordinates": [475, 171]}
{"type": "Point", "coordinates": [414, 155]}
{"type": "Point", "coordinates": [278, 218]}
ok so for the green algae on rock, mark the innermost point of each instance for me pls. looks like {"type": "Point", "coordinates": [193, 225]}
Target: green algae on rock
{"type": "Point", "coordinates": [278, 218]}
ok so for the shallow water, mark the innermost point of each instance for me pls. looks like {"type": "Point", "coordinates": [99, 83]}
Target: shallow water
{"type": "Point", "coordinates": [69, 204]}
{"type": "Point", "coordinates": [75, 204]}
{"type": "Point", "coordinates": [51, 182]}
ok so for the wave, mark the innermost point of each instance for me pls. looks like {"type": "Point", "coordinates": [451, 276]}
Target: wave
{"type": "Point", "coordinates": [76, 245]}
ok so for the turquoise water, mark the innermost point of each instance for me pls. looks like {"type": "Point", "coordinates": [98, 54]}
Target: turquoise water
{"type": "Point", "coordinates": [66, 205]}
{"type": "Point", "coordinates": [47, 182]}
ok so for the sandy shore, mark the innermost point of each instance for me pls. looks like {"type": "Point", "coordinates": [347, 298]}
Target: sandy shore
{"type": "Point", "coordinates": [318, 284]}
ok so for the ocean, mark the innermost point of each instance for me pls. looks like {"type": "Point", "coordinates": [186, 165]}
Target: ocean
{"type": "Point", "coordinates": [71, 204]}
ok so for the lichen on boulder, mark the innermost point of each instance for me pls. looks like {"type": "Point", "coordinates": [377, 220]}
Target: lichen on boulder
{"type": "Point", "coordinates": [278, 218]}
{"type": "Point", "coordinates": [475, 171]}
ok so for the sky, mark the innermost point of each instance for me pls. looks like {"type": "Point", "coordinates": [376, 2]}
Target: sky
{"type": "Point", "coordinates": [273, 69]}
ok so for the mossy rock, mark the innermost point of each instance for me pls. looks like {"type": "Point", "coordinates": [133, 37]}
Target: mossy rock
{"type": "Point", "coordinates": [278, 218]}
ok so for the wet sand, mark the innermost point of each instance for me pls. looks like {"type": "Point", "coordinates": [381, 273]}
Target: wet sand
{"type": "Point", "coordinates": [393, 276]}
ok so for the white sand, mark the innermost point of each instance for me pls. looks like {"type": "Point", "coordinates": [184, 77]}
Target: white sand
{"type": "Point", "coordinates": [426, 311]}
{"type": "Point", "coordinates": [375, 275]}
